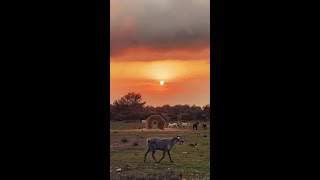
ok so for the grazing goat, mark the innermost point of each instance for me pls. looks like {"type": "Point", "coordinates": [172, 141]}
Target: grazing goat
{"type": "Point", "coordinates": [161, 144]}
{"type": "Point", "coordinates": [204, 126]}
{"type": "Point", "coordinates": [195, 126]}
{"type": "Point", "coordinates": [173, 125]}
{"type": "Point", "coordinates": [185, 124]}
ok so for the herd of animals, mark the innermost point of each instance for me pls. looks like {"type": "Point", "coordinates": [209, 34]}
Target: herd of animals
{"type": "Point", "coordinates": [183, 125]}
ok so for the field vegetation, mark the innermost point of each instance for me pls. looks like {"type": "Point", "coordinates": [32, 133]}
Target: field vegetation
{"type": "Point", "coordinates": [128, 141]}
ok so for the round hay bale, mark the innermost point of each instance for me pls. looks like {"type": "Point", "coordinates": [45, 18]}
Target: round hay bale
{"type": "Point", "coordinates": [155, 119]}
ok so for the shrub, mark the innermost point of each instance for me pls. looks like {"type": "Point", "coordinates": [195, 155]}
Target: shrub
{"type": "Point", "coordinates": [135, 144]}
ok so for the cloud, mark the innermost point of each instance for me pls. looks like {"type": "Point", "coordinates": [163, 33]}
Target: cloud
{"type": "Point", "coordinates": [147, 54]}
{"type": "Point", "coordinates": [154, 27]}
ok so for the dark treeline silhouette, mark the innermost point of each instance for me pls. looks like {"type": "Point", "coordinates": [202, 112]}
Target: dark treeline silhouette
{"type": "Point", "coordinates": [131, 108]}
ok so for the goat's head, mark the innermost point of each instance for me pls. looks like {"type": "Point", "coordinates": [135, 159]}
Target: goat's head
{"type": "Point", "coordinates": [179, 139]}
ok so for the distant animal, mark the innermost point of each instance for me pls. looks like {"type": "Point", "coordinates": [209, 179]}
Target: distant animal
{"type": "Point", "coordinates": [194, 145]}
{"type": "Point", "coordinates": [164, 145]}
{"type": "Point", "coordinates": [185, 124]}
{"type": "Point", "coordinates": [173, 125]}
{"type": "Point", "coordinates": [204, 126]}
{"type": "Point", "coordinates": [185, 153]}
{"type": "Point", "coordinates": [195, 126]}
{"type": "Point", "coordinates": [144, 121]}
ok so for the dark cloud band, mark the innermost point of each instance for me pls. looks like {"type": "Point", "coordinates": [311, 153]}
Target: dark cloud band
{"type": "Point", "coordinates": [159, 25]}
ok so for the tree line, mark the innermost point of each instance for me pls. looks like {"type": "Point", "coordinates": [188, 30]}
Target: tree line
{"type": "Point", "coordinates": [131, 107]}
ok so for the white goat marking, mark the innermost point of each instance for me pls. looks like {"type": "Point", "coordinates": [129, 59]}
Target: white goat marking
{"type": "Point", "coordinates": [173, 125]}
{"type": "Point", "coordinates": [185, 124]}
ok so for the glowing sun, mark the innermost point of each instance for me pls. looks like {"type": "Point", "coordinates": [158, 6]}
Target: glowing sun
{"type": "Point", "coordinates": [161, 83]}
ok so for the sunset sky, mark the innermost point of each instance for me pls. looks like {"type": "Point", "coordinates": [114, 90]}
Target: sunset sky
{"type": "Point", "coordinates": [160, 40]}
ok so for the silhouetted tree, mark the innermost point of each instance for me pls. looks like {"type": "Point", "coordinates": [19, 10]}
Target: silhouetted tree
{"type": "Point", "coordinates": [132, 100]}
{"type": "Point", "coordinates": [206, 111]}
{"type": "Point", "coordinates": [130, 105]}
{"type": "Point", "coordinates": [196, 112]}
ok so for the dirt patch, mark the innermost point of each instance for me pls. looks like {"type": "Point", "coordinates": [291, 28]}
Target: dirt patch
{"type": "Point", "coordinates": [116, 143]}
{"type": "Point", "coordinates": [139, 175]}
{"type": "Point", "coordinates": [154, 130]}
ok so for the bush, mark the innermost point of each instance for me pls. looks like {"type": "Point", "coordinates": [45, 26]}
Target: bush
{"type": "Point", "coordinates": [135, 144]}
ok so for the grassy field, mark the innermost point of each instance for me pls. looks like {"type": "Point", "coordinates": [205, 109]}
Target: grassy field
{"type": "Point", "coordinates": [128, 146]}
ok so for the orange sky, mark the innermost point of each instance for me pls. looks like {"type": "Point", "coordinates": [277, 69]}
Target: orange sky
{"type": "Point", "coordinates": [174, 50]}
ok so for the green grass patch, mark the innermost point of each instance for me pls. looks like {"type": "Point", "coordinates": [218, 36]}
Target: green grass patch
{"type": "Point", "coordinates": [191, 162]}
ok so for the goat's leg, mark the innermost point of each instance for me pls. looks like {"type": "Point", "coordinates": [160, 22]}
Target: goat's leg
{"type": "Point", "coordinates": [164, 152]}
{"type": "Point", "coordinates": [170, 156]}
{"type": "Point", "coordinates": [153, 152]}
{"type": "Point", "coordinates": [146, 154]}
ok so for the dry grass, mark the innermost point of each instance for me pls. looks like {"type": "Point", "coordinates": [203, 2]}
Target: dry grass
{"type": "Point", "coordinates": [191, 162]}
{"type": "Point", "coordinates": [133, 175]}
